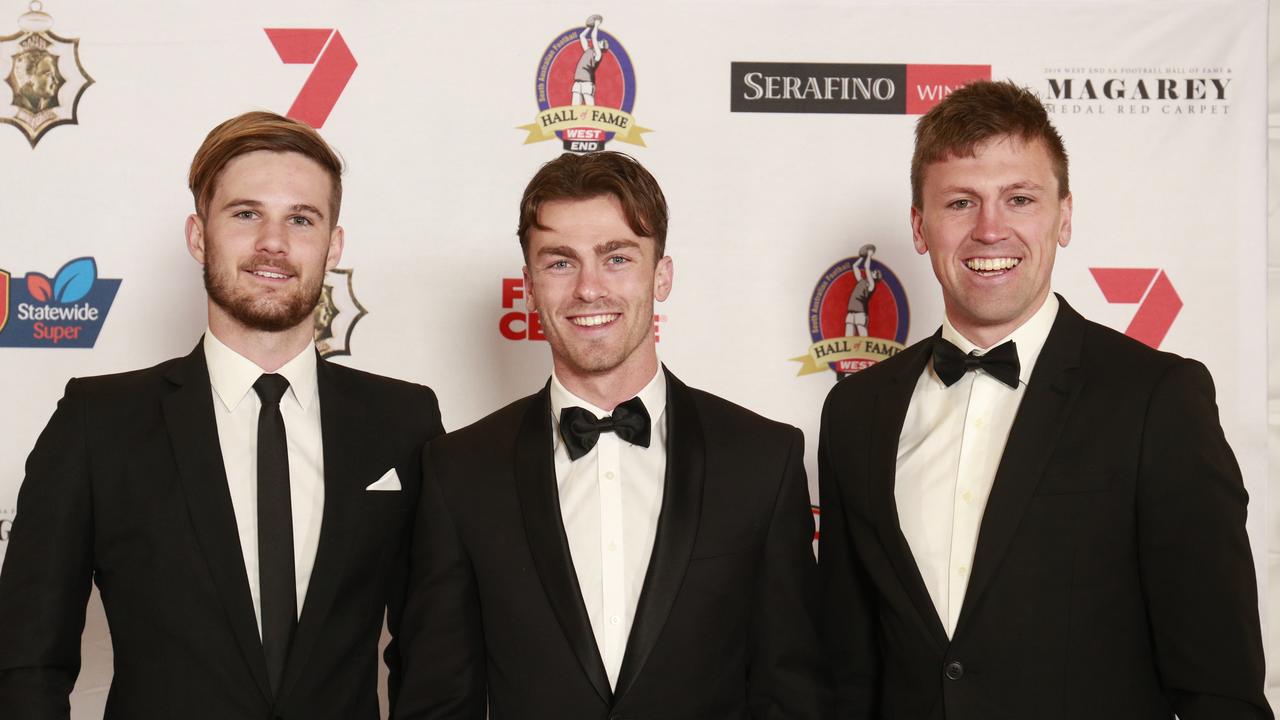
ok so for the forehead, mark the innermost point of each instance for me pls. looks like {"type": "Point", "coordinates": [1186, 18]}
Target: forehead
{"type": "Point", "coordinates": [265, 171]}
{"type": "Point", "coordinates": [583, 221]}
{"type": "Point", "coordinates": [1001, 160]}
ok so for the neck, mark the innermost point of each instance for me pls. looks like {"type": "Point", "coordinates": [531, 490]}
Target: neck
{"type": "Point", "coordinates": [606, 390]}
{"type": "Point", "coordinates": [268, 350]}
{"type": "Point", "coordinates": [986, 335]}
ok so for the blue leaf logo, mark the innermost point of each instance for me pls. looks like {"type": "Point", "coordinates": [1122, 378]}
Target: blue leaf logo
{"type": "Point", "coordinates": [74, 280]}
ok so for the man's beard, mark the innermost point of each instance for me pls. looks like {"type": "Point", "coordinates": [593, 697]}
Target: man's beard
{"type": "Point", "coordinates": [274, 313]}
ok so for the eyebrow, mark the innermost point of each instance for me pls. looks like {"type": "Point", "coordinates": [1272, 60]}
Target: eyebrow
{"type": "Point", "coordinates": [1020, 185]}
{"type": "Point", "coordinates": [258, 205]}
{"type": "Point", "coordinates": [602, 249]}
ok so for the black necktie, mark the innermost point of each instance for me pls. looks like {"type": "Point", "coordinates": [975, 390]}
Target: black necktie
{"type": "Point", "coordinates": [1000, 362]}
{"type": "Point", "coordinates": [580, 429]}
{"type": "Point", "coordinates": [279, 600]}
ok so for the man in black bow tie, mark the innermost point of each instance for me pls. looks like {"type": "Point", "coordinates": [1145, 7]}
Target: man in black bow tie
{"type": "Point", "coordinates": [617, 544]}
{"type": "Point", "coordinates": [1028, 515]}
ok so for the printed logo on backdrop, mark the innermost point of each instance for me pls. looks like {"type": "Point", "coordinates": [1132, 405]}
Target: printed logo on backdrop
{"type": "Point", "coordinates": [517, 323]}
{"type": "Point", "coordinates": [858, 316]}
{"type": "Point", "coordinates": [1148, 288]}
{"type": "Point", "coordinates": [65, 311]}
{"type": "Point", "coordinates": [6, 527]}
{"type": "Point", "coordinates": [337, 313]}
{"type": "Point", "coordinates": [43, 75]}
{"type": "Point", "coordinates": [856, 88]}
{"type": "Point", "coordinates": [1158, 91]}
{"type": "Point", "coordinates": [334, 66]}
{"type": "Point", "coordinates": [586, 91]}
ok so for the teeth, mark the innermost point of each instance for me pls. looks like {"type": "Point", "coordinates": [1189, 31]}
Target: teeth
{"type": "Point", "coordinates": [991, 264]}
{"type": "Point", "coordinates": [592, 320]}
{"type": "Point", "coordinates": [272, 275]}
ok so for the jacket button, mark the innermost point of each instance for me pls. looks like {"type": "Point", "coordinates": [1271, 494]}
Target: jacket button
{"type": "Point", "coordinates": [953, 670]}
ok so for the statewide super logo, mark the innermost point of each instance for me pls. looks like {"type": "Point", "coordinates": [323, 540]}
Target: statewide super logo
{"type": "Point", "coordinates": [858, 316]}
{"type": "Point", "coordinates": [43, 75]}
{"type": "Point", "coordinates": [65, 311]}
{"type": "Point", "coordinates": [337, 313]}
{"type": "Point", "coordinates": [586, 91]}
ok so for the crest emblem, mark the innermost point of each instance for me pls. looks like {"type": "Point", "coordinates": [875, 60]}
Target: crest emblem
{"type": "Point", "coordinates": [858, 316]}
{"type": "Point", "coordinates": [43, 75]}
{"type": "Point", "coordinates": [337, 314]}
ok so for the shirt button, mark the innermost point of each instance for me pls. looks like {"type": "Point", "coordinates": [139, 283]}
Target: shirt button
{"type": "Point", "coordinates": [608, 475]}
{"type": "Point", "coordinates": [962, 570]}
{"type": "Point", "coordinates": [613, 547]}
{"type": "Point", "coordinates": [979, 423]}
{"type": "Point", "coordinates": [967, 496]}
{"type": "Point", "coordinates": [953, 670]}
{"type": "Point", "coordinates": [615, 620]}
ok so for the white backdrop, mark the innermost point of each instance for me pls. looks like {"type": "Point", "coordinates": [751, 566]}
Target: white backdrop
{"type": "Point", "coordinates": [763, 203]}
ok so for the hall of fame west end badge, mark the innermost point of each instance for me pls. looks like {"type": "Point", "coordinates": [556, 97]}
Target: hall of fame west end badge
{"type": "Point", "coordinates": [43, 75]}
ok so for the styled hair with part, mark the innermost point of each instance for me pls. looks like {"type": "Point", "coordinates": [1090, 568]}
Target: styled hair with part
{"type": "Point", "coordinates": [978, 112]}
{"type": "Point", "coordinates": [582, 177]}
{"type": "Point", "coordinates": [254, 131]}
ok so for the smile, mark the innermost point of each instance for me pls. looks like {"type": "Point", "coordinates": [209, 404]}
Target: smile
{"type": "Point", "coordinates": [270, 274]}
{"type": "Point", "coordinates": [992, 265]}
{"type": "Point", "coordinates": [593, 320]}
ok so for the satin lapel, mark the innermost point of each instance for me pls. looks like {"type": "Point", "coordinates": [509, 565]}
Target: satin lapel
{"type": "Point", "coordinates": [544, 527]}
{"type": "Point", "coordinates": [677, 529]}
{"type": "Point", "coordinates": [1051, 393]}
{"type": "Point", "coordinates": [342, 432]}
{"type": "Point", "coordinates": [887, 417]}
{"type": "Point", "coordinates": [188, 414]}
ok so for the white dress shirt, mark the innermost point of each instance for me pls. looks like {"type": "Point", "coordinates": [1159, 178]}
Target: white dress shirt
{"type": "Point", "coordinates": [950, 447]}
{"type": "Point", "coordinates": [610, 500]}
{"type": "Point", "coordinates": [235, 406]}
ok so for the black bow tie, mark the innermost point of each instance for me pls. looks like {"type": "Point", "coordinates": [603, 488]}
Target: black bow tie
{"type": "Point", "coordinates": [1000, 362]}
{"type": "Point", "coordinates": [580, 429]}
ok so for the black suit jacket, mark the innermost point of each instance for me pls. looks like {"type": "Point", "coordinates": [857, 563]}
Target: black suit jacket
{"type": "Point", "coordinates": [126, 488]}
{"type": "Point", "coordinates": [726, 622]}
{"type": "Point", "coordinates": [1112, 577]}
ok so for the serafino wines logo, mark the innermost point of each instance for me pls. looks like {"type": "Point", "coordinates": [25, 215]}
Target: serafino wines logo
{"type": "Point", "coordinates": [334, 66]}
{"type": "Point", "coordinates": [1148, 288]}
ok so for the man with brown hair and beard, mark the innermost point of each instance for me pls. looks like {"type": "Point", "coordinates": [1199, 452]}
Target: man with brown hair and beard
{"type": "Point", "coordinates": [243, 510]}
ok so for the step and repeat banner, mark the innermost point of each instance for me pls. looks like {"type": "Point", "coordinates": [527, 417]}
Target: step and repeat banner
{"type": "Point", "coordinates": [780, 131]}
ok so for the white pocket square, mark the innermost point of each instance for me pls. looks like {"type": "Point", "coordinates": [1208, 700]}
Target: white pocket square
{"type": "Point", "coordinates": [390, 481]}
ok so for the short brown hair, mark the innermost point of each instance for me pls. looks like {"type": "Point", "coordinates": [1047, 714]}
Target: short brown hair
{"type": "Point", "coordinates": [255, 131]}
{"type": "Point", "coordinates": [976, 113]}
{"type": "Point", "coordinates": [582, 177]}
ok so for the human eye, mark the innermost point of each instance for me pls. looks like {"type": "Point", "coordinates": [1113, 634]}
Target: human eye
{"type": "Point", "coordinates": [300, 220]}
{"type": "Point", "coordinates": [960, 204]}
{"type": "Point", "coordinates": [244, 215]}
{"type": "Point", "coordinates": [618, 260]}
{"type": "Point", "coordinates": [560, 264]}
{"type": "Point", "coordinates": [1021, 200]}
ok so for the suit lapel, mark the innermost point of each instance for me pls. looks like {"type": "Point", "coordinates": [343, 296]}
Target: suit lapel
{"type": "Point", "coordinates": [1050, 395]}
{"type": "Point", "coordinates": [677, 529]}
{"type": "Point", "coordinates": [888, 416]}
{"type": "Point", "coordinates": [188, 413]}
{"type": "Point", "coordinates": [343, 427]}
{"type": "Point", "coordinates": [544, 527]}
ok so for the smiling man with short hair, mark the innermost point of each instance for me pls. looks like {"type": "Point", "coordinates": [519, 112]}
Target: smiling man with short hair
{"type": "Point", "coordinates": [1028, 515]}
{"type": "Point", "coordinates": [617, 544]}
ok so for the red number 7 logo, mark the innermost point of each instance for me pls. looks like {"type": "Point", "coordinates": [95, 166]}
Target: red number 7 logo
{"type": "Point", "coordinates": [334, 65]}
{"type": "Point", "coordinates": [1158, 303]}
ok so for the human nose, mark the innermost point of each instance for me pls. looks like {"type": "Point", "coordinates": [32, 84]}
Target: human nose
{"type": "Point", "coordinates": [991, 225]}
{"type": "Point", "coordinates": [590, 286]}
{"type": "Point", "coordinates": [271, 238]}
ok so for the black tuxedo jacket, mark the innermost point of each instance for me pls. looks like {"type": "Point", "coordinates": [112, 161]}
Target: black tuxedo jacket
{"type": "Point", "coordinates": [1112, 577]}
{"type": "Point", "coordinates": [726, 622]}
{"type": "Point", "coordinates": [126, 488]}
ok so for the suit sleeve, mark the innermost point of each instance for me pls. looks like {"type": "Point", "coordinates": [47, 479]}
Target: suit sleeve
{"type": "Point", "coordinates": [442, 639]}
{"type": "Point", "coordinates": [426, 428]}
{"type": "Point", "coordinates": [848, 601]}
{"type": "Point", "coordinates": [47, 571]}
{"type": "Point", "coordinates": [1197, 569]}
{"type": "Point", "coordinates": [788, 676]}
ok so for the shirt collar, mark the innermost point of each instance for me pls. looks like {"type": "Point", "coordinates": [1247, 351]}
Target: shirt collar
{"type": "Point", "coordinates": [233, 375]}
{"type": "Point", "coordinates": [653, 395]}
{"type": "Point", "coordinates": [1028, 338]}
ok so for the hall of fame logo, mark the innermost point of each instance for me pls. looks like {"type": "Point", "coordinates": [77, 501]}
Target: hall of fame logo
{"type": "Point", "coordinates": [43, 75]}
{"type": "Point", "coordinates": [586, 91]}
{"type": "Point", "coordinates": [337, 314]}
{"type": "Point", "coordinates": [858, 316]}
